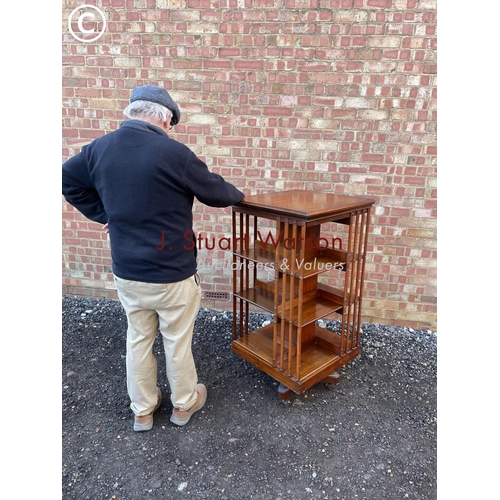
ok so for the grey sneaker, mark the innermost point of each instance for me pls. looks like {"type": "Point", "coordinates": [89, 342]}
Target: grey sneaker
{"type": "Point", "coordinates": [145, 422]}
{"type": "Point", "coordinates": [181, 417]}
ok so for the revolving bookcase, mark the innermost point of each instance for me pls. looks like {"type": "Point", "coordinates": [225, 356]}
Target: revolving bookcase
{"type": "Point", "coordinates": [279, 272]}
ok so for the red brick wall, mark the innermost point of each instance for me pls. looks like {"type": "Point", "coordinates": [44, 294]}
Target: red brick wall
{"type": "Point", "coordinates": [328, 95]}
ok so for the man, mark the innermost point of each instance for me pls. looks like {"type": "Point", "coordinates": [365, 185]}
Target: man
{"type": "Point", "coordinates": [140, 184]}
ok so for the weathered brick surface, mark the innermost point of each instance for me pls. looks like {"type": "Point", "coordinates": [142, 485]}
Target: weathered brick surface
{"type": "Point", "coordinates": [329, 95]}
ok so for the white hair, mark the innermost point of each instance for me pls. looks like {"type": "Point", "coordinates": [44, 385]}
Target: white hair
{"type": "Point", "coordinates": [142, 109]}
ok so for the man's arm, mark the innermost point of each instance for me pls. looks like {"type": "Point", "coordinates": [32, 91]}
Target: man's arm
{"type": "Point", "coordinates": [78, 190]}
{"type": "Point", "coordinates": [211, 189]}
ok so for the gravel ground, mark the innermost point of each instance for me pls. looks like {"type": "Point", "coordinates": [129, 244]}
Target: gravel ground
{"type": "Point", "coordinates": [373, 436]}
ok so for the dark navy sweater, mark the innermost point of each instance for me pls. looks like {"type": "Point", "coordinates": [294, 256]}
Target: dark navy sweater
{"type": "Point", "coordinates": [142, 183]}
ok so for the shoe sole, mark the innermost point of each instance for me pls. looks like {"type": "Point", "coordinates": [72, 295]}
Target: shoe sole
{"type": "Point", "coordinates": [143, 427]}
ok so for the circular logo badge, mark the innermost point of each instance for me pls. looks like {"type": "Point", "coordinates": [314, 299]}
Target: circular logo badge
{"type": "Point", "coordinates": [91, 23]}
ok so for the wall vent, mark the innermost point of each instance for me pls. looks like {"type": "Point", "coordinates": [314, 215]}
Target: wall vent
{"type": "Point", "coordinates": [216, 295]}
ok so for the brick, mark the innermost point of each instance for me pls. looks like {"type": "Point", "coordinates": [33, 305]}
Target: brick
{"type": "Point", "coordinates": [384, 41]}
{"type": "Point", "coordinates": [216, 151]}
{"type": "Point", "coordinates": [325, 124]}
{"type": "Point", "coordinates": [231, 141]}
{"type": "Point", "coordinates": [373, 114]}
{"type": "Point", "coordinates": [277, 111]}
{"type": "Point", "coordinates": [103, 103]}
{"type": "Point", "coordinates": [357, 102]}
{"type": "Point", "coordinates": [211, 64]}
{"type": "Point", "coordinates": [251, 65]}
{"type": "Point", "coordinates": [372, 158]}
{"type": "Point", "coordinates": [229, 52]}
{"type": "Point", "coordinates": [381, 4]}
{"type": "Point", "coordinates": [127, 61]}
{"type": "Point", "coordinates": [73, 60]}
{"type": "Point", "coordinates": [202, 27]}
{"type": "Point", "coordinates": [185, 15]}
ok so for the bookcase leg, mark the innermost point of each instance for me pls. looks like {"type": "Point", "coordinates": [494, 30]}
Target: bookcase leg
{"type": "Point", "coordinates": [333, 378]}
{"type": "Point", "coordinates": [284, 392]}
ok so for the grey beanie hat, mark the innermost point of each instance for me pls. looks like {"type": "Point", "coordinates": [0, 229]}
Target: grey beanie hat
{"type": "Point", "coordinates": [159, 95]}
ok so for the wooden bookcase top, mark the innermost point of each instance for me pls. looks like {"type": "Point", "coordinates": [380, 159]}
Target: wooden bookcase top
{"type": "Point", "coordinates": [304, 204]}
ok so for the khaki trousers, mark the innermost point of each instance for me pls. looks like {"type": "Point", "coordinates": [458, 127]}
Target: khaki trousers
{"type": "Point", "coordinates": [171, 308]}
